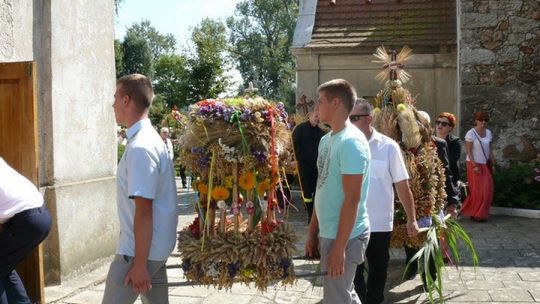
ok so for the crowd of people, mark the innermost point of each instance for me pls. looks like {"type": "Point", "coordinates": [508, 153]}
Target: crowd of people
{"type": "Point", "coordinates": [349, 226]}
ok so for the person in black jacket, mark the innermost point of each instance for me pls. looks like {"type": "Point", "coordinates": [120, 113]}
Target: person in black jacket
{"type": "Point", "coordinates": [306, 137]}
{"type": "Point", "coordinates": [445, 124]}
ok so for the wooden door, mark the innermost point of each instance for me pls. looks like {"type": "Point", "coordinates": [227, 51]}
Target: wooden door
{"type": "Point", "coordinates": [19, 148]}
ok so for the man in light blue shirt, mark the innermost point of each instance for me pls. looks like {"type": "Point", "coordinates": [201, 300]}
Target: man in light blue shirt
{"type": "Point", "coordinates": [340, 219]}
{"type": "Point", "coordinates": [146, 198]}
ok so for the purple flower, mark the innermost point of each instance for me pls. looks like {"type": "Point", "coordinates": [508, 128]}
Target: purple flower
{"type": "Point", "coordinates": [424, 221]}
{"type": "Point", "coordinates": [260, 156]}
{"type": "Point", "coordinates": [233, 269]}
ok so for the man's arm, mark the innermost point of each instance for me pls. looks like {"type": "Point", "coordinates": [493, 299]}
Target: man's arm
{"type": "Point", "coordinates": [143, 229]}
{"type": "Point", "coordinates": [406, 198]}
{"type": "Point", "coordinates": [347, 218]}
{"type": "Point", "coordinates": [312, 242]}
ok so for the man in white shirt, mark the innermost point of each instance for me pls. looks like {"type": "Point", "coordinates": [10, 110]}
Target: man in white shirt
{"type": "Point", "coordinates": [24, 223]}
{"type": "Point", "coordinates": [164, 133]}
{"type": "Point", "coordinates": [146, 198]}
{"type": "Point", "coordinates": [387, 169]}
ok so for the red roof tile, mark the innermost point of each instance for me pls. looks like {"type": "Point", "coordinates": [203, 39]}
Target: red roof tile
{"type": "Point", "coordinates": [424, 25]}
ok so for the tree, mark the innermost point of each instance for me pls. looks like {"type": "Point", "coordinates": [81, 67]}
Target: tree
{"type": "Point", "coordinates": [118, 58]}
{"type": "Point", "coordinates": [137, 56]}
{"type": "Point", "coordinates": [159, 44]}
{"type": "Point", "coordinates": [171, 79]}
{"type": "Point", "coordinates": [261, 33]}
{"type": "Point", "coordinates": [207, 66]}
{"type": "Point", "coordinates": [117, 4]}
{"type": "Point", "coordinates": [158, 110]}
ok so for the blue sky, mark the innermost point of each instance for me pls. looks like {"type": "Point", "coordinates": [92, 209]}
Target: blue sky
{"type": "Point", "coordinates": [171, 16]}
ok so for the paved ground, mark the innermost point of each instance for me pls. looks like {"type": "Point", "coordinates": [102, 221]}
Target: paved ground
{"type": "Point", "coordinates": [509, 271]}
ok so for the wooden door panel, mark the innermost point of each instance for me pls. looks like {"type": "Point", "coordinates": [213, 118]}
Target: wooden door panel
{"type": "Point", "coordinates": [19, 148]}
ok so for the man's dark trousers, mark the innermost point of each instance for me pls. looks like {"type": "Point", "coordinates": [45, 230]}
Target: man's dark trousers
{"type": "Point", "coordinates": [20, 235]}
{"type": "Point", "coordinates": [377, 257]}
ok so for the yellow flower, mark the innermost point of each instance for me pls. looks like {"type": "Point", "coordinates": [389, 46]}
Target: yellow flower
{"type": "Point", "coordinates": [228, 182]}
{"type": "Point", "coordinates": [220, 193]}
{"type": "Point", "coordinates": [202, 188]}
{"type": "Point", "coordinates": [247, 181]}
{"type": "Point", "coordinates": [263, 186]}
{"type": "Point", "coordinates": [401, 107]}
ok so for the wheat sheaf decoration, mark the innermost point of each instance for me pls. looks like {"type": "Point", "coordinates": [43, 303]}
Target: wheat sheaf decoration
{"type": "Point", "coordinates": [393, 64]}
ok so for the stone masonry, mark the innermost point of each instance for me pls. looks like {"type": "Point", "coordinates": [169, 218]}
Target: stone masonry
{"type": "Point", "coordinates": [500, 72]}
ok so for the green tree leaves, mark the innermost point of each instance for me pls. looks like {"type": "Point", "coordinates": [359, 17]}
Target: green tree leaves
{"type": "Point", "coordinates": [172, 79]}
{"type": "Point", "coordinates": [159, 44]}
{"type": "Point", "coordinates": [208, 64]}
{"type": "Point", "coordinates": [137, 56]}
{"type": "Point", "coordinates": [261, 33]}
{"type": "Point", "coordinates": [256, 40]}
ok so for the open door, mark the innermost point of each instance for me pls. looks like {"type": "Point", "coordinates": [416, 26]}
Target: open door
{"type": "Point", "coordinates": [19, 148]}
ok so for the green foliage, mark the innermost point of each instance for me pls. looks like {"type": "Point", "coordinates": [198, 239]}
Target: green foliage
{"type": "Point", "coordinates": [120, 151]}
{"type": "Point", "coordinates": [515, 186]}
{"type": "Point", "coordinates": [207, 78]}
{"type": "Point", "coordinates": [137, 56]}
{"type": "Point", "coordinates": [431, 253]}
{"type": "Point", "coordinates": [158, 110]}
{"type": "Point", "coordinates": [118, 58]}
{"type": "Point", "coordinates": [261, 35]}
{"type": "Point", "coordinates": [159, 44]}
{"type": "Point", "coordinates": [171, 80]}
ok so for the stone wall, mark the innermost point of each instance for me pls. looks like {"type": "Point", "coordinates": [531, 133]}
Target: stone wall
{"type": "Point", "coordinates": [500, 72]}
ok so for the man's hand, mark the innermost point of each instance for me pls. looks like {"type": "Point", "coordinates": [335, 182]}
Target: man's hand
{"type": "Point", "coordinates": [139, 278]}
{"type": "Point", "coordinates": [312, 246]}
{"type": "Point", "coordinates": [412, 228]}
{"type": "Point", "coordinates": [335, 263]}
{"type": "Point", "coordinates": [452, 210]}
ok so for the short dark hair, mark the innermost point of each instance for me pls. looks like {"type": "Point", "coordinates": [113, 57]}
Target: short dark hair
{"type": "Point", "coordinates": [139, 88]}
{"type": "Point", "coordinates": [341, 89]}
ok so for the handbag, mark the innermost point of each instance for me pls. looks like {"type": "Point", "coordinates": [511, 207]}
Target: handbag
{"type": "Point", "coordinates": [489, 162]}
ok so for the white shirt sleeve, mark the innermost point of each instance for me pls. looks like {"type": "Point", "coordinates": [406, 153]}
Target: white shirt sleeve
{"type": "Point", "coordinates": [143, 173]}
{"type": "Point", "coordinates": [469, 136]}
{"type": "Point", "coordinates": [398, 170]}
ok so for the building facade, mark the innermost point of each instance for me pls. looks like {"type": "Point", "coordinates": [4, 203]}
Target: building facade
{"type": "Point", "coordinates": [469, 55]}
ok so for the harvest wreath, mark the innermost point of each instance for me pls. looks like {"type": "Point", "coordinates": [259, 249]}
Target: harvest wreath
{"type": "Point", "coordinates": [236, 148]}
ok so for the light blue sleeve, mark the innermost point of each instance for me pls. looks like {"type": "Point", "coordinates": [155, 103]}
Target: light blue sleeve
{"type": "Point", "coordinates": [354, 157]}
{"type": "Point", "coordinates": [143, 173]}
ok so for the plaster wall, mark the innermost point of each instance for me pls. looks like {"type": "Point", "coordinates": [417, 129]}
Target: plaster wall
{"type": "Point", "coordinates": [72, 44]}
{"type": "Point", "coordinates": [16, 19]}
{"type": "Point", "coordinates": [433, 79]}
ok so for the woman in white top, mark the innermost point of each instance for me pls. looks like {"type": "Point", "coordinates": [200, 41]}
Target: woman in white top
{"type": "Point", "coordinates": [480, 166]}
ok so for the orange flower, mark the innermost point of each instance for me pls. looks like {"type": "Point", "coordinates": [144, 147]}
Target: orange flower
{"type": "Point", "coordinates": [220, 193]}
{"type": "Point", "coordinates": [202, 188]}
{"type": "Point", "coordinates": [263, 186]}
{"type": "Point", "coordinates": [247, 181]}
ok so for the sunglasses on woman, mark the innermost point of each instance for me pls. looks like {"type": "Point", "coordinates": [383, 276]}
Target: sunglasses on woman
{"type": "Point", "coordinates": [442, 123]}
{"type": "Point", "coordinates": [355, 118]}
